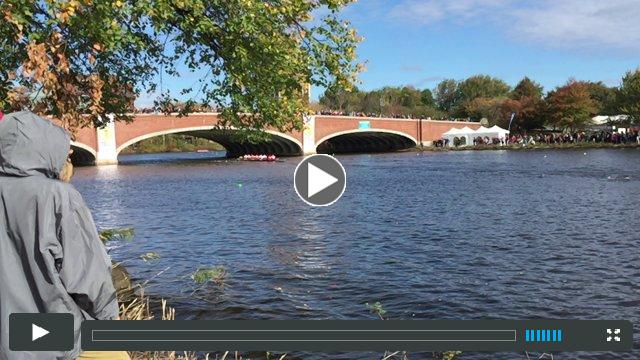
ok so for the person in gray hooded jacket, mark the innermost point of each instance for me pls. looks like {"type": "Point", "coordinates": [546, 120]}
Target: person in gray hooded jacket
{"type": "Point", "coordinates": [51, 257]}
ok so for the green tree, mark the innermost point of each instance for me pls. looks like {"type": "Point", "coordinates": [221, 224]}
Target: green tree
{"type": "Point", "coordinates": [340, 99]}
{"type": "Point", "coordinates": [447, 95]}
{"type": "Point", "coordinates": [482, 86]}
{"type": "Point", "coordinates": [629, 96]}
{"type": "Point", "coordinates": [570, 106]}
{"type": "Point", "coordinates": [605, 98]}
{"type": "Point", "coordinates": [479, 86]}
{"type": "Point", "coordinates": [388, 101]}
{"type": "Point", "coordinates": [527, 88]}
{"type": "Point", "coordinates": [79, 60]}
{"type": "Point", "coordinates": [426, 97]}
{"type": "Point", "coordinates": [411, 97]}
{"type": "Point", "coordinates": [370, 103]}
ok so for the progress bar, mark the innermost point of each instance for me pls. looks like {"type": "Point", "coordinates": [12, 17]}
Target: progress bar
{"type": "Point", "coordinates": [358, 335]}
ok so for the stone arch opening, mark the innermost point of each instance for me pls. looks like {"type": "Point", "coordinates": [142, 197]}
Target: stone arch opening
{"type": "Point", "coordinates": [365, 141]}
{"type": "Point", "coordinates": [82, 155]}
{"type": "Point", "coordinates": [278, 144]}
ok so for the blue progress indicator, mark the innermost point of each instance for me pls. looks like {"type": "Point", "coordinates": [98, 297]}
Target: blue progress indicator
{"type": "Point", "coordinates": [543, 335]}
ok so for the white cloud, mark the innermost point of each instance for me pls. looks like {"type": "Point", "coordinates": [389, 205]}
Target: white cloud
{"type": "Point", "coordinates": [583, 24]}
{"type": "Point", "coordinates": [426, 12]}
{"type": "Point", "coordinates": [569, 24]}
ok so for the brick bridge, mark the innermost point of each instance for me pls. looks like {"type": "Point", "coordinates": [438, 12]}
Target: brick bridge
{"type": "Point", "coordinates": [324, 134]}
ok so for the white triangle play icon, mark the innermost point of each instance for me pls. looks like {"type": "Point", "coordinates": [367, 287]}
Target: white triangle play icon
{"type": "Point", "coordinates": [37, 332]}
{"type": "Point", "coordinates": [318, 180]}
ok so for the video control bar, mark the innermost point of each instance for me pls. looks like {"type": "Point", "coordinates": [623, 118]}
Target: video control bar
{"type": "Point", "coordinates": [359, 335]}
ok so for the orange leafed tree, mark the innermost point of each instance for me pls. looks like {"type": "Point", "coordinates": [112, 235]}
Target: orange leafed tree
{"type": "Point", "coordinates": [571, 106]}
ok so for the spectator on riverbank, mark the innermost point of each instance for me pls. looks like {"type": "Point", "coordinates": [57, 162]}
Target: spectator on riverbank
{"type": "Point", "coordinates": [612, 137]}
{"type": "Point", "coordinates": [628, 137]}
{"type": "Point", "coordinates": [51, 257]}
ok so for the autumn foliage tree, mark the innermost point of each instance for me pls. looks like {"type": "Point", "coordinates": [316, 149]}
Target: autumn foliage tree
{"type": "Point", "coordinates": [79, 60]}
{"type": "Point", "coordinates": [570, 106]}
{"type": "Point", "coordinates": [528, 95]}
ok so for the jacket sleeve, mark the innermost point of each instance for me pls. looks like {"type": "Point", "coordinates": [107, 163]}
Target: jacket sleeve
{"type": "Point", "coordinates": [85, 270]}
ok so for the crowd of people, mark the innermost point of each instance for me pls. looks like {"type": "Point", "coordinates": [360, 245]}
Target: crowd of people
{"type": "Point", "coordinates": [363, 114]}
{"type": "Point", "coordinates": [603, 136]}
{"type": "Point", "coordinates": [631, 136]}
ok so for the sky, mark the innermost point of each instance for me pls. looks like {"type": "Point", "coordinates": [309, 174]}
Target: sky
{"type": "Point", "coordinates": [421, 42]}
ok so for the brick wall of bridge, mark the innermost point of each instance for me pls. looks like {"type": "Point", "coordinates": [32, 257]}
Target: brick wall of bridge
{"type": "Point", "coordinates": [148, 124]}
{"type": "Point", "coordinates": [419, 130]}
{"type": "Point", "coordinates": [323, 127]}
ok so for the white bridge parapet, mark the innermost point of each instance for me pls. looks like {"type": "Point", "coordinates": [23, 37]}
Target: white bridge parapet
{"type": "Point", "coordinates": [107, 153]}
{"type": "Point", "coordinates": [309, 135]}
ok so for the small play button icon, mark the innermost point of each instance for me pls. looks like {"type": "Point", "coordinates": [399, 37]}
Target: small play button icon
{"type": "Point", "coordinates": [37, 332]}
{"type": "Point", "coordinates": [41, 332]}
{"type": "Point", "coordinates": [320, 180]}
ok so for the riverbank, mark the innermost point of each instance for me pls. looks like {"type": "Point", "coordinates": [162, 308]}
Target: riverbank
{"type": "Point", "coordinates": [172, 143]}
{"type": "Point", "coordinates": [519, 147]}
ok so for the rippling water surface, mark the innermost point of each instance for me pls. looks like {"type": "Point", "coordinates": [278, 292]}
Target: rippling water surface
{"type": "Point", "coordinates": [458, 235]}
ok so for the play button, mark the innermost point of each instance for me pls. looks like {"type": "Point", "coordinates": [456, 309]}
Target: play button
{"type": "Point", "coordinates": [320, 180]}
{"type": "Point", "coordinates": [37, 332]}
{"type": "Point", "coordinates": [41, 332]}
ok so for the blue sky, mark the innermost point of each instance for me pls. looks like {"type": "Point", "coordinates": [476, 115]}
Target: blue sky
{"type": "Point", "coordinates": [421, 42]}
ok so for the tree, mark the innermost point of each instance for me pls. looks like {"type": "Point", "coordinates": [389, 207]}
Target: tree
{"type": "Point", "coordinates": [426, 97]}
{"type": "Point", "coordinates": [410, 97]}
{"type": "Point", "coordinates": [340, 99]}
{"type": "Point", "coordinates": [527, 88]}
{"type": "Point", "coordinates": [529, 114]}
{"type": "Point", "coordinates": [388, 101]}
{"type": "Point", "coordinates": [79, 60]}
{"type": "Point", "coordinates": [479, 86]}
{"type": "Point", "coordinates": [482, 86]}
{"type": "Point", "coordinates": [496, 110]}
{"type": "Point", "coordinates": [447, 95]}
{"type": "Point", "coordinates": [605, 98]}
{"type": "Point", "coordinates": [570, 106]}
{"type": "Point", "coordinates": [528, 94]}
{"type": "Point", "coordinates": [629, 96]}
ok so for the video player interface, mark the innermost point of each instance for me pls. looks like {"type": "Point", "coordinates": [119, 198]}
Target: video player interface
{"type": "Point", "coordinates": [319, 179]}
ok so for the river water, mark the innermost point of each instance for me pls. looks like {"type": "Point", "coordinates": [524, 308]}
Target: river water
{"type": "Point", "coordinates": [451, 235]}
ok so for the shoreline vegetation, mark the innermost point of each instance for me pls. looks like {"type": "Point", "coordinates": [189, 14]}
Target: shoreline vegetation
{"type": "Point", "coordinates": [135, 304]}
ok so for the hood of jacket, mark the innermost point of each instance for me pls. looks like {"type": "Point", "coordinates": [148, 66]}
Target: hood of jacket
{"type": "Point", "coordinates": [32, 146]}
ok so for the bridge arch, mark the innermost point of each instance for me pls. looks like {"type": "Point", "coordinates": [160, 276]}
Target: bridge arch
{"type": "Point", "coordinates": [280, 144]}
{"type": "Point", "coordinates": [365, 140]}
{"type": "Point", "coordinates": [83, 154]}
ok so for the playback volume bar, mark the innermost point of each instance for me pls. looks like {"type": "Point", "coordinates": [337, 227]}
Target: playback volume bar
{"type": "Point", "coordinates": [358, 335]}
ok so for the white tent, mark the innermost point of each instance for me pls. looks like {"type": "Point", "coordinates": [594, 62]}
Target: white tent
{"type": "Point", "coordinates": [453, 131]}
{"type": "Point", "coordinates": [494, 132]}
{"type": "Point", "coordinates": [463, 135]}
{"type": "Point", "coordinates": [466, 135]}
{"type": "Point", "coordinates": [482, 130]}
